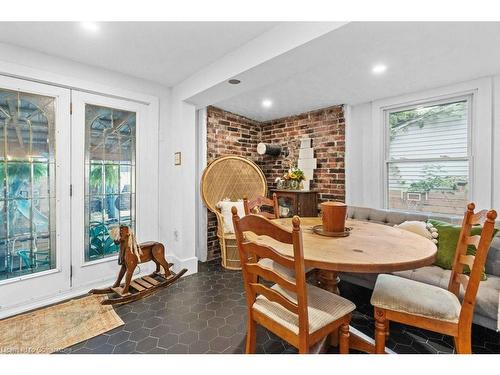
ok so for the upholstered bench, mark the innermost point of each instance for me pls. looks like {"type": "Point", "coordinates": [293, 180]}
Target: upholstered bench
{"type": "Point", "coordinates": [487, 304]}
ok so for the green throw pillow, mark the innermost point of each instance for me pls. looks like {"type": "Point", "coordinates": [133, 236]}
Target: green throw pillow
{"type": "Point", "coordinates": [447, 244]}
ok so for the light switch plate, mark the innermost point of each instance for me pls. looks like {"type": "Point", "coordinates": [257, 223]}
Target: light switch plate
{"type": "Point", "coordinates": [177, 158]}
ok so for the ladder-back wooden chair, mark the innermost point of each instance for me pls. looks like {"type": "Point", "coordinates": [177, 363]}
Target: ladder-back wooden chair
{"type": "Point", "coordinates": [232, 177]}
{"type": "Point", "coordinates": [433, 308]}
{"type": "Point", "coordinates": [254, 206]}
{"type": "Point", "coordinates": [299, 313]}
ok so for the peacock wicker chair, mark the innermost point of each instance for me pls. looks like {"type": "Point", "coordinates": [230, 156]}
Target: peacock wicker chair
{"type": "Point", "coordinates": [232, 177]}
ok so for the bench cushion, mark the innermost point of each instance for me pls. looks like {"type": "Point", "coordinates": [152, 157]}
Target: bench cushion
{"type": "Point", "coordinates": [392, 218]}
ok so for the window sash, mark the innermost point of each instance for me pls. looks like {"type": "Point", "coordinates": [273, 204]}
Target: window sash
{"type": "Point", "coordinates": [413, 106]}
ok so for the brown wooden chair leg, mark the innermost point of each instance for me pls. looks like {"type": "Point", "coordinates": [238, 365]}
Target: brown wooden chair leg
{"type": "Point", "coordinates": [303, 349]}
{"type": "Point", "coordinates": [344, 338]}
{"type": "Point", "coordinates": [380, 329]}
{"type": "Point", "coordinates": [251, 336]}
{"type": "Point", "coordinates": [463, 343]}
{"type": "Point", "coordinates": [455, 340]}
{"type": "Point", "coordinates": [387, 329]}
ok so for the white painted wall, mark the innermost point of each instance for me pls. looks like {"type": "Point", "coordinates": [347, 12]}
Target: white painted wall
{"type": "Point", "coordinates": [496, 142]}
{"type": "Point", "coordinates": [365, 140]}
{"type": "Point", "coordinates": [357, 119]}
{"type": "Point", "coordinates": [178, 184]}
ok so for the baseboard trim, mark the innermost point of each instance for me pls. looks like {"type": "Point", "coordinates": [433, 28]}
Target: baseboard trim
{"type": "Point", "coordinates": [191, 264]}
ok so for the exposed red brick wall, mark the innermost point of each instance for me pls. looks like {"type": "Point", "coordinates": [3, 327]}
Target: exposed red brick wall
{"type": "Point", "coordinates": [326, 128]}
{"type": "Point", "coordinates": [231, 134]}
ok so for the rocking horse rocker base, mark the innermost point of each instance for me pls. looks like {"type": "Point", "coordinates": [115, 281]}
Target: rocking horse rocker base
{"type": "Point", "coordinates": [132, 254]}
{"type": "Point", "coordinates": [139, 288]}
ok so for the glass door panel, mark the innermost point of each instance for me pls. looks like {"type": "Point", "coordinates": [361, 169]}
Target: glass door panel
{"type": "Point", "coordinates": [109, 166]}
{"type": "Point", "coordinates": [27, 166]}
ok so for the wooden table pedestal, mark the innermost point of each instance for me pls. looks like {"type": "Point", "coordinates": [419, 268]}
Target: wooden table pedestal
{"type": "Point", "coordinates": [329, 280]}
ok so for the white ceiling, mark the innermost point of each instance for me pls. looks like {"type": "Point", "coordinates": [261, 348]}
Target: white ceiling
{"type": "Point", "coordinates": [336, 68]}
{"type": "Point", "coordinates": [163, 52]}
{"type": "Point", "coordinates": [332, 69]}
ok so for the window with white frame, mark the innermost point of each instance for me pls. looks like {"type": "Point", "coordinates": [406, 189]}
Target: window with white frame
{"type": "Point", "coordinates": [428, 156]}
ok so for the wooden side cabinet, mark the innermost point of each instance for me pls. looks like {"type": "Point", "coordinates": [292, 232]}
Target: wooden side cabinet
{"type": "Point", "coordinates": [297, 202]}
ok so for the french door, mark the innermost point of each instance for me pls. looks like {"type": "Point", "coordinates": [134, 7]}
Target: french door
{"type": "Point", "coordinates": [35, 203]}
{"type": "Point", "coordinates": [104, 141]}
{"type": "Point", "coordinates": [67, 178]}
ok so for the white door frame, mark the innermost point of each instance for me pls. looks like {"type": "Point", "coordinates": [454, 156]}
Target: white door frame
{"type": "Point", "coordinates": [25, 291]}
{"type": "Point", "coordinates": [201, 163]}
{"type": "Point", "coordinates": [149, 143]}
{"type": "Point", "coordinates": [86, 274]}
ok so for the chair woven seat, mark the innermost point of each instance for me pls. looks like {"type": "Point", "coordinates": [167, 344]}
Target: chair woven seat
{"type": "Point", "coordinates": [323, 308]}
{"type": "Point", "coordinates": [413, 297]}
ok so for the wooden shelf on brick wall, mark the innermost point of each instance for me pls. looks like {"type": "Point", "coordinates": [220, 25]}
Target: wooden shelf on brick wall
{"type": "Point", "coordinates": [297, 202]}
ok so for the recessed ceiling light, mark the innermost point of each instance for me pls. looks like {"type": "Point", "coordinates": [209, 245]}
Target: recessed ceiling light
{"type": "Point", "coordinates": [234, 81]}
{"type": "Point", "coordinates": [90, 26]}
{"type": "Point", "coordinates": [379, 69]}
{"type": "Point", "coordinates": [267, 103]}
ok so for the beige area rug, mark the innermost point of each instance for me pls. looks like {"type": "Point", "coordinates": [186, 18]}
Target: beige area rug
{"type": "Point", "coordinates": [54, 328]}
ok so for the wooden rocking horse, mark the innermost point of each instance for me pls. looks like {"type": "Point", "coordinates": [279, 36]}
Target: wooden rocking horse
{"type": "Point", "coordinates": [131, 254]}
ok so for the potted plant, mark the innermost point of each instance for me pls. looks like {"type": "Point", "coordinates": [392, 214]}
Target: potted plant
{"type": "Point", "coordinates": [294, 177]}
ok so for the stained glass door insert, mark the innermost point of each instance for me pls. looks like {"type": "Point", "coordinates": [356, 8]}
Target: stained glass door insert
{"type": "Point", "coordinates": [27, 177]}
{"type": "Point", "coordinates": [109, 177]}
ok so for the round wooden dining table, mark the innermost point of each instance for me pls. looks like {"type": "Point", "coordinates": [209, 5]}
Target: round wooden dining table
{"type": "Point", "coordinates": [369, 248]}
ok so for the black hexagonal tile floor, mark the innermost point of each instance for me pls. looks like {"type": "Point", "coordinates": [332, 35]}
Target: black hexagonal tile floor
{"type": "Point", "coordinates": [170, 339]}
{"type": "Point", "coordinates": [178, 349]}
{"type": "Point", "coordinates": [198, 347]}
{"type": "Point", "coordinates": [206, 313]}
{"type": "Point", "coordinates": [97, 341]}
{"type": "Point", "coordinates": [147, 344]}
{"type": "Point", "coordinates": [125, 347]}
{"type": "Point", "coordinates": [118, 338]}
{"type": "Point", "coordinates": [140, 334]}
{"type": "Point", "coordinates": [188, 337]}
